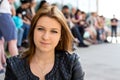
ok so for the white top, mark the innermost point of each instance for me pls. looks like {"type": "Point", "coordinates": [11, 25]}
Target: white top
{"type": "Point", "coordinates": [5, 7]}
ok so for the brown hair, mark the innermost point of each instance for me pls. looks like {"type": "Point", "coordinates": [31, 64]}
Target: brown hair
{"type": "Point", "coordinates": [66, 36]}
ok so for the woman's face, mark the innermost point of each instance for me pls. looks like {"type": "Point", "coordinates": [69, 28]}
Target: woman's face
{"type": "Point", "coordinates": [47, 34]}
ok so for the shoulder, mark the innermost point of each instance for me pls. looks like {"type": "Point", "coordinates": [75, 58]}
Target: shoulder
{"type": "Point", "coordinates": [68, 55]}
{"type": "Point", "coordinates": [71, 66]}
{"type": "Point", "coordinates": [14, 59]}
{"type": "Point", "coordinates": [17, 65]}
{"type": "Point", "coordinates": [68, 58]}
{"type": "Point", "coordinates": [15, 62]}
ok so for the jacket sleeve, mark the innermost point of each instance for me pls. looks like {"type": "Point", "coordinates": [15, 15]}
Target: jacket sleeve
{"type": "Point", "coordinates": [9, 75]}
{"type": "Point", "coordinates": [77, 72]}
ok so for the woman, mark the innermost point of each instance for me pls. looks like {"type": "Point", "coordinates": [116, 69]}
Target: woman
{"type": "Point", "coordinates": [48, 57]}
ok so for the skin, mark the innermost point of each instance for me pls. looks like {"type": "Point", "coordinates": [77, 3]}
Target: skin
{"type": "Point", "coordinates": [47, 34]}
{"type": "Point", "coordinates": [2, 54]}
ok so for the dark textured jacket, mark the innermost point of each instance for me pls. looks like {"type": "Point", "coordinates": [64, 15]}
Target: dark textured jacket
{"type": "Point", "coordinates": [67, 67]}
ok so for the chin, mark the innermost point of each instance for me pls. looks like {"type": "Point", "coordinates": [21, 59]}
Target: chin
{"type": "Point", "coordinates": [45, 50]}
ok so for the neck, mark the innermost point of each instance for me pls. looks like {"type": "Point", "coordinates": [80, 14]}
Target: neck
{"type": "Point", "coordinates": [42, 63]}
{"type": "Point", "coordinates": [44, 56]}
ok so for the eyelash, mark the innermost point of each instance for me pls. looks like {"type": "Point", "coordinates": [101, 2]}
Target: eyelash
{"type": "Point", "coordinates": [54, 31]}
{"type": "Point", "coordinates": [40, 28]}
{"type": "Point", "coordinates": [51, 30]}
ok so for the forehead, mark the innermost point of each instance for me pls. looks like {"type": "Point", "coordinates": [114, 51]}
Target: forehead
{"type": "Point", "coordinates": [48, 22]}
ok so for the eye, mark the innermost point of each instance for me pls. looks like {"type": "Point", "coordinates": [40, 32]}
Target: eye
{"type": "Point", "coordinates": [53, 31]}
{"type": "Point", "coordinates": [40, 29]}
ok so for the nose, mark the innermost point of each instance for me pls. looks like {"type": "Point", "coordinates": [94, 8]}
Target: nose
{"type": "Point", "coordinates": [46, 36]}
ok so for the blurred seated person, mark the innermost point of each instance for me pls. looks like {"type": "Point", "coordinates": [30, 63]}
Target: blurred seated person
{"type": "Point", "coordinates": [74, 29]}
{"type": "Point", "coordinates": [24, 12]}
{"type": "Point", "coordinates": [43, 3]}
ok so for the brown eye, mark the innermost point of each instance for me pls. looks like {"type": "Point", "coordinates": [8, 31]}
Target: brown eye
{"type": "Point", "coordinates": [40, 29]}
{"type": "Point", "coordinates": [54, 31]}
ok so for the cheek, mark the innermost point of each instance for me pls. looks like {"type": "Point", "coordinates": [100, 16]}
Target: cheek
{"type": "Point", "coordinates": [57, 39]}
{"type": "Point", "coordinates": [36, 39]}
{"type": "Point", "coordinates": [36, 36]}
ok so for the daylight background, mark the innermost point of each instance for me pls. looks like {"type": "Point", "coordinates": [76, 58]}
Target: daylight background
{"type": "Point", "coordinates": [105, 7]}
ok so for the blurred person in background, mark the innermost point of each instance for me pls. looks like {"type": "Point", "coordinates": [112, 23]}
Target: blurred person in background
{"type": "Point", "coordinates": [25, 13]}
{"type": "Point", "coordinates": [114, 24]}
{"type": "Point", "coordinates": [33, 7]}
{"type": "Point", "coordinates": [7, 30]}
{"type": "Point", "coordinates": [66, 12]}
{"type": "Point", "coordinates": [18, 22]}
{"type": "Point", "coordinates": [43, 3]}
{"type": "Point", "coordinates": [101, 32]}
{"type": "Point", "coordinates": [78, 29]}
{"type": "Point", "coordinates": [92, 22]}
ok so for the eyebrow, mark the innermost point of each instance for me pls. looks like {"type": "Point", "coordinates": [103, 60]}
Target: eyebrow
{"type": "Point", "coordinates": [39, 26]}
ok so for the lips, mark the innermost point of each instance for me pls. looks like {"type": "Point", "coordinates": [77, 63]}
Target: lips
{"type": "Point", "coordinates": [45, 43]}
